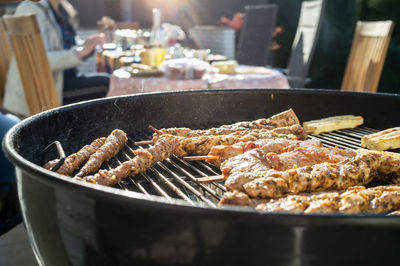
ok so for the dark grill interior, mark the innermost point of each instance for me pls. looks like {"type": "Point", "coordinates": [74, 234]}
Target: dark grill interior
{"type": "Point", "coordinates": [176, 178]}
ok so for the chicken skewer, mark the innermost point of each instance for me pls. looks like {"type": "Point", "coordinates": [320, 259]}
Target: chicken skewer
{"type": "Point", "coordinates": [360, 170]}
{"type": "Point", "coordinates": [354, 200]}
{"type": "Point", "coordinates": [283, 119]}
{"type": "Point", "coordinates": [182, 147]}
{"type": "Point", "coordinates": [256, 163]}
{"type": "Point", "coordinates": [220, 153]}
{"type": "Point", "coordinates": [202, 145]}
{"type": "Point", "coordinates": [73, 161]}
{"type": "Point", "coordinates": [112, 145]}
{"type": "Point", "coordinates": [144, 159]}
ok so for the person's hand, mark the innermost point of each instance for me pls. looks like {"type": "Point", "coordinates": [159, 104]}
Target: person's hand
{"type": "Point", "coordinates": [90, 45]}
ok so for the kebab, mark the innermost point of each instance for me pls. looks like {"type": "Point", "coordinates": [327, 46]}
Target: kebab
{"type": "Point", "coordinates": [202, 145]}
{"type": "Point", "coordinates": [283, 119]}
{"type": "Point", "coordinates": [166, 145]}
{"type": "Point", "coordinates": [359, 170]}
{"type": "Point", "coordinates": [143, 160]}
{"type": "Point", "coordinates": [73, 161]}
{"type": "Point", "coordinates": [220, 153]}
{"type": "Point", "coordinates": [358, 199]}
{"type": "Point", "coordinates": [243, 168]}
{"type": "Point", "coordinates": [112, 145]}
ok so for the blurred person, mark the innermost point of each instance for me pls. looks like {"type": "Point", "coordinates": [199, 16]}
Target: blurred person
{"type": "Point", "coordinates": [58, 23]}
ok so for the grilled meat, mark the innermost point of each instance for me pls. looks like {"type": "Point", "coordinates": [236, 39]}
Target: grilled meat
{"type": "Point", "coordinates": [224, 152]}
{"type": "Point", "coordinates": [144, 159]}
{"type": "Point", "coordinates": [257, 163]}
{"type": "Point", "coordinates": [283, 119]}
{"type": "Point", "coordinates": [113, 144]}
{"type": "Point", "coordinates": [203, 144]}
{"type": "Point", "coordinates": [359, 170]}
{"type": "Point", "coordinates": [240, 199]}
{"type": "Point", "coordinates": [357, 199]}
{"type": "Point", "coordinates": [73, 161]}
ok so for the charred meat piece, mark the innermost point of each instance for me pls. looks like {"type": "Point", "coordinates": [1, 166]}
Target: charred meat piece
{"type": "Point", "coordinates": [113, 144]}
{"type": "Point", "coordinates": [245, 167]}
{"type": "Point", "coordinates": [283, 119]}
{"type": "Point", "coordinates": [73, 161]}
{"type": "Point", "coordinates": [354, 200]}
{"type": "Point", "coordinates": [144, 159]}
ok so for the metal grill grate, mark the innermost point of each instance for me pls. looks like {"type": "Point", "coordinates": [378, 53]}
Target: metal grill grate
{"type": "Point", "coordinates": [176, 178]}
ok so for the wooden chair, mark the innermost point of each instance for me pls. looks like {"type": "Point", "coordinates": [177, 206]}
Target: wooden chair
{"type": "Point", "coordinates": [305, 42]}
{"type": "Point", "coordinates": [5, 59]}
{"type": "Point", "coordinates": [256, 36]}
{"type": "Point", "coordinates": [37, 80]}
{"type": "Point", "coordinates": [367, 56]}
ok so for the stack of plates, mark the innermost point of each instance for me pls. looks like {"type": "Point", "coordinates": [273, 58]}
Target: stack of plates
{"type": "Point", "coordinates": [220, 40]}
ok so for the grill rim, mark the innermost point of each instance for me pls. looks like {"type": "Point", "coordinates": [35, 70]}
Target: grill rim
{"type": "Point", "coordinates": [54, 179]}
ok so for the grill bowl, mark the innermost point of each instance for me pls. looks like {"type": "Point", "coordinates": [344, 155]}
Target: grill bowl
{"type": "Point", "coordinates": [74, 223]}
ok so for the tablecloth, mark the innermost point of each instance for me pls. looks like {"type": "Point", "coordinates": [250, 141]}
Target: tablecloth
{"type": "Point", "coordinates": [123, 83]}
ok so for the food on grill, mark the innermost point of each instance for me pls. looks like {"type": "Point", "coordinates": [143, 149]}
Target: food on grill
{"type": "Point", "coordinates": [382, 140]}
{"type": "Point", "coordinates": [73, 161]}
{"type": "Point", "coordinates": [220, 153]}
{"type": "Point", "coordinates": [360, 170]}
{"type": "Point", "coordinates": [357, 199]}
{"type": "Point", "coordinates": [144, 159]}
{"type": "Point", "coordinates": [112, 145]}
{"type": "Point", "coordinates": [283, 119]}
{"type": "Point", "coordinates": [202, 145]}
{"type": "Point", "coordinates": [255, 163]}
{"type": "Point", "coordinates": [332, 123]}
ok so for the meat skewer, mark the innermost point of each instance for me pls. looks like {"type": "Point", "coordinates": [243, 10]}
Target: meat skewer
{"type": "Point", "coordinates": [257, 163]}
{"type": "Point", "coordinates": [360, 170]}
{"type": "Point", "coordinates": [112, 145]}
{"type": "Point", "coordinates": [73, 161]}
{"type": "Point", "coordinates": [184, 146]}
{"type": "Point", "coordinates": [220, 153]}
{"type": "Point", "coordinates": [354, 200]}
{"type": "Point", "coordinates": [144, 159]}
{"type": "Point", "coordinates": [202, 145]}
{"type": "Point", "coordinates": [283, 119]}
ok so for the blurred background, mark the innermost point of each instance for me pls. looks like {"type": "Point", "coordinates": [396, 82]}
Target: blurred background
{"type": "Point", "coordinates": [333, 46]}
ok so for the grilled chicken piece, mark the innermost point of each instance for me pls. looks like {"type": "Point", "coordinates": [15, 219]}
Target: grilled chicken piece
{"type": "Point", "coordinates": [113, 144]}
{"type": "Point", "coordinates": [224, 152]}
{"type": "Point", "coordinates": [257, 163]}
{"type": "Point", "coordinates": [359, 170]}
{"type": "Point", "coordinates": [144, 159]}
{"type": "Point", "coordinates": [283, 119]}
{"type": "Point", "coordinates": [354, 200]}
{"type": "Point", "coordinates": [240, 199]}
{"type": "Point", "coordinates": [202, 145]}
{"type": "Point", "coordinates": [73, 161]}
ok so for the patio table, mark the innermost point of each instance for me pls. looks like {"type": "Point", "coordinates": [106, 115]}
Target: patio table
{"type": "Point", "coordinates": [123, 83]}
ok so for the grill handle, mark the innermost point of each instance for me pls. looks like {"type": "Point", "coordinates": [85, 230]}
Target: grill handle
{"type": "Point", "coordinates": [61, 154]}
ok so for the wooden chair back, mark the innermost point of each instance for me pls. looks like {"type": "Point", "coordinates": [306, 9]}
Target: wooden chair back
{"type": "Point", "coordinates": [367, 56]}
{"type": "Point", "coordinates": [305, 41]}
{"type": "Point", "coordinates": [30, 54]}
{"type": "Point", "coordinates": [255, 39]}
{"type": "Point", "coordinates": [5, 58]}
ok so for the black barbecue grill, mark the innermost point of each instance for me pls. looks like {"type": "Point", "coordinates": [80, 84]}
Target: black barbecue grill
{"type": "Point", "coordinates": [164, 216]}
